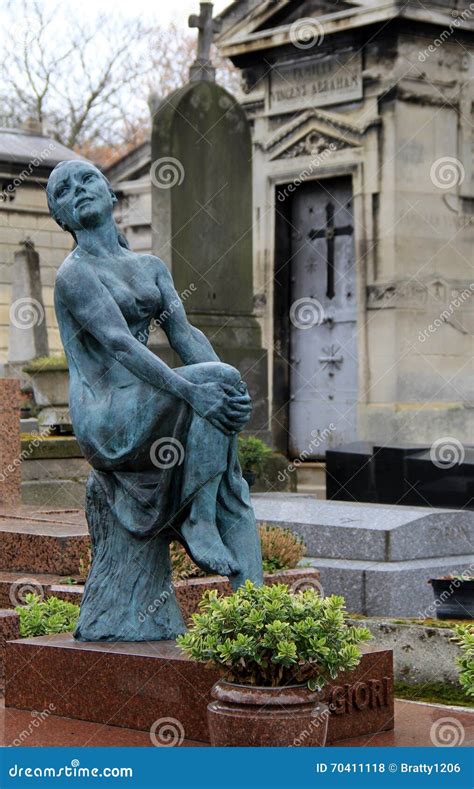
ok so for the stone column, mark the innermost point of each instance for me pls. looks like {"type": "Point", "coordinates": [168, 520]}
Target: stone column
{"type": "Point", "coordinates": [10, 445]}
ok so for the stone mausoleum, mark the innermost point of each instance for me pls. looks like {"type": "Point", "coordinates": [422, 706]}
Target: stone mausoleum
{"type": "Point", "coordinates": [363, 163]}
{"type": "Point", "coordinates": [363, 214]}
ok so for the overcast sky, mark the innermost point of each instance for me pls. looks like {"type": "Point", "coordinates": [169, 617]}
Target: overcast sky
{"type": "Point", "coordinates": [163, 10]}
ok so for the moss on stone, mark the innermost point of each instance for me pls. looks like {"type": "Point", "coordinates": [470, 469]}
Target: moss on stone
{"type": "Point", "coordinates": [39, 447]}
{"type": "Point", "coordinates": [433, 693]}
{"type": "Point", "coordinates": [440, 624]}
{"type": "Point", "coordinates": [46, 363]}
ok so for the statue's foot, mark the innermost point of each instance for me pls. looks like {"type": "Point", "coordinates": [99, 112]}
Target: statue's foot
{"type": "Point", "coordinates": [206, 548]}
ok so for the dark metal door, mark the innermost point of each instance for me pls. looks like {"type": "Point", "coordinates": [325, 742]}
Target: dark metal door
{"type": "Point", "coordinates": [323, 343]}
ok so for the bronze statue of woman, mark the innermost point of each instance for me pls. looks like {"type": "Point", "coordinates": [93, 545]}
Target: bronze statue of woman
{"type": "Point", "coordinates": [162, 442]}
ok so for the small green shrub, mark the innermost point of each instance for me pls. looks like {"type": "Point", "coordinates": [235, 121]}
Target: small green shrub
{"type": "Point", "coordinates": [464, 635]}
{"type": "Point", "coordinates": [43, 617]}
{"type": "Point", "coordinates": [252, 454]}
{"type": "Point", "coordinates": [269, 636]}
{"type": "Point", "coordinates": [281, 549]}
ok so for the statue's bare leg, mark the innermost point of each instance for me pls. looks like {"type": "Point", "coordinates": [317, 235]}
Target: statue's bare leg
{"type": "Point", "coordinates": [202, 537]}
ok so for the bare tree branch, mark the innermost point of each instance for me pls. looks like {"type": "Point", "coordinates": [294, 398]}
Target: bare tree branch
{"type": "Point", "coordinates": [88, 83]}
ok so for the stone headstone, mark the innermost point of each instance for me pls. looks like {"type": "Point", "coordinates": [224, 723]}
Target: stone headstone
{"type": "Point", "coordinates": [202, 220]}
{"type": "Point", "coordinates": [10, 445]}
{"type": "Point", "coordinates": [202, 68]}
{"type": "Point", "coordinates": [28, 337]}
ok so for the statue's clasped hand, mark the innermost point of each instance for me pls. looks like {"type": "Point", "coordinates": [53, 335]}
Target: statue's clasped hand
{"type": "Point", "coordinates": [224, 406]}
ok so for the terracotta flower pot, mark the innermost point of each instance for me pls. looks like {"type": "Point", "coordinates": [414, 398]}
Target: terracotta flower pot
{"type": "Point", "coordinates": [246, 715]}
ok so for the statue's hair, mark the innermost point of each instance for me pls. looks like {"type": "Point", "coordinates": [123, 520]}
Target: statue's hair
{"type": "Point", "coordinates": [60, 166]}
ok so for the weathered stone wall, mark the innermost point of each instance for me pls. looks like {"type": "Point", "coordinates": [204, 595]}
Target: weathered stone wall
{"type": "Point", "coordinates": [27, 216]}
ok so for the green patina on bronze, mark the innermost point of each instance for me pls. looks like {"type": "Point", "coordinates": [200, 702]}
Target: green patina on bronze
{"type": "Point", "coordinates": [162, 441]}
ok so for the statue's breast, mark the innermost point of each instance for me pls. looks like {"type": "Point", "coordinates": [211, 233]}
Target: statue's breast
{"type": "Point", "coordinates": [136, 294]}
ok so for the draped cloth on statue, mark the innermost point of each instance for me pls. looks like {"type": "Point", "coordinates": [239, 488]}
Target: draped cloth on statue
{"type": "Point", "coordinates": [157, 500]}
{"type": "Point", "coordinates": [134, 515]}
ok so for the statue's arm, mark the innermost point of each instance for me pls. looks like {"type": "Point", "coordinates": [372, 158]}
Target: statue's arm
{"type": "Point", "coordinates": [92, 306]}
{"type": "Point", "coordinates": [191, 345]}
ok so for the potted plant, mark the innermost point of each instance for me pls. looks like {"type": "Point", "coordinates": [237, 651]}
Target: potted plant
{"type": "Point", "coordinates": [454, 596]}
{"type": "Point", "coordinates": [464, 635]}
{"type": "Point", "coordinates": [252, 455]}
{"type": "Point", "coordinates": [275, 650]}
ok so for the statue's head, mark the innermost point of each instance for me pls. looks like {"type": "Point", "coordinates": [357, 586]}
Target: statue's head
{"type": "Point", "coordinates": [79, 195]}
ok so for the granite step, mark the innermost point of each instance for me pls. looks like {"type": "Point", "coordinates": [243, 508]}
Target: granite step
{"type": "Point", "coordinates": [15, 585]}
{"type": "Point", "coordinates": [45, 542]}
{"type": "Point", "coordinates": [414, 726]}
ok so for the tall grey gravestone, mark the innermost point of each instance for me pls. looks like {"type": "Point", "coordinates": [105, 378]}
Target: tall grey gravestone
{"type": "Point", "coordinates": [202, 215]}
{"type": "Point", "coordinates": [28, 337]}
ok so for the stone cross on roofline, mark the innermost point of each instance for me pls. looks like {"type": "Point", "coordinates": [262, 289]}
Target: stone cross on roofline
{"type": "Point", "coordinates": [202, 68]}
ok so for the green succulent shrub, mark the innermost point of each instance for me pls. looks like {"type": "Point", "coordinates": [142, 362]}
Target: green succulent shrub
{"type": "Point", "coordinates": [464, 635]}
{"type": "Point", "coordinates": [42, 617]}
{"type": "Point", "coordinates": [269, 636]}
{"type": "Point", "coordinates": [252, 454]}
{"type": "Point", "coordinates": [281, 549]}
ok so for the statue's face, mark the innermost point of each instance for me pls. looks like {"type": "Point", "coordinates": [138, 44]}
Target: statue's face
{"type": "Point", "coordinates": [79, 195]}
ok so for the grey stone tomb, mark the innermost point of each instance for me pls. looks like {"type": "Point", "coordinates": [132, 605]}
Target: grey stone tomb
{"type": "Point", "coordinates": [380, 558]}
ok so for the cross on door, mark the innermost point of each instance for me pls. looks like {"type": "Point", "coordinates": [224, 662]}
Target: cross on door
{"type": "Point", "coordinates": [329, 233]}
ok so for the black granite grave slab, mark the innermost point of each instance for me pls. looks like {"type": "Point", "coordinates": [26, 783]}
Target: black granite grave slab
{"type": "Point", "coordinates": [407, 474]}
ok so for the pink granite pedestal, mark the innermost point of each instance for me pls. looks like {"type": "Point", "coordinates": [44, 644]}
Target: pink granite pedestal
{"type": "Point", "coordinates": [10, 445]}
{"type": "Point", "coordinates": [133, 685]}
